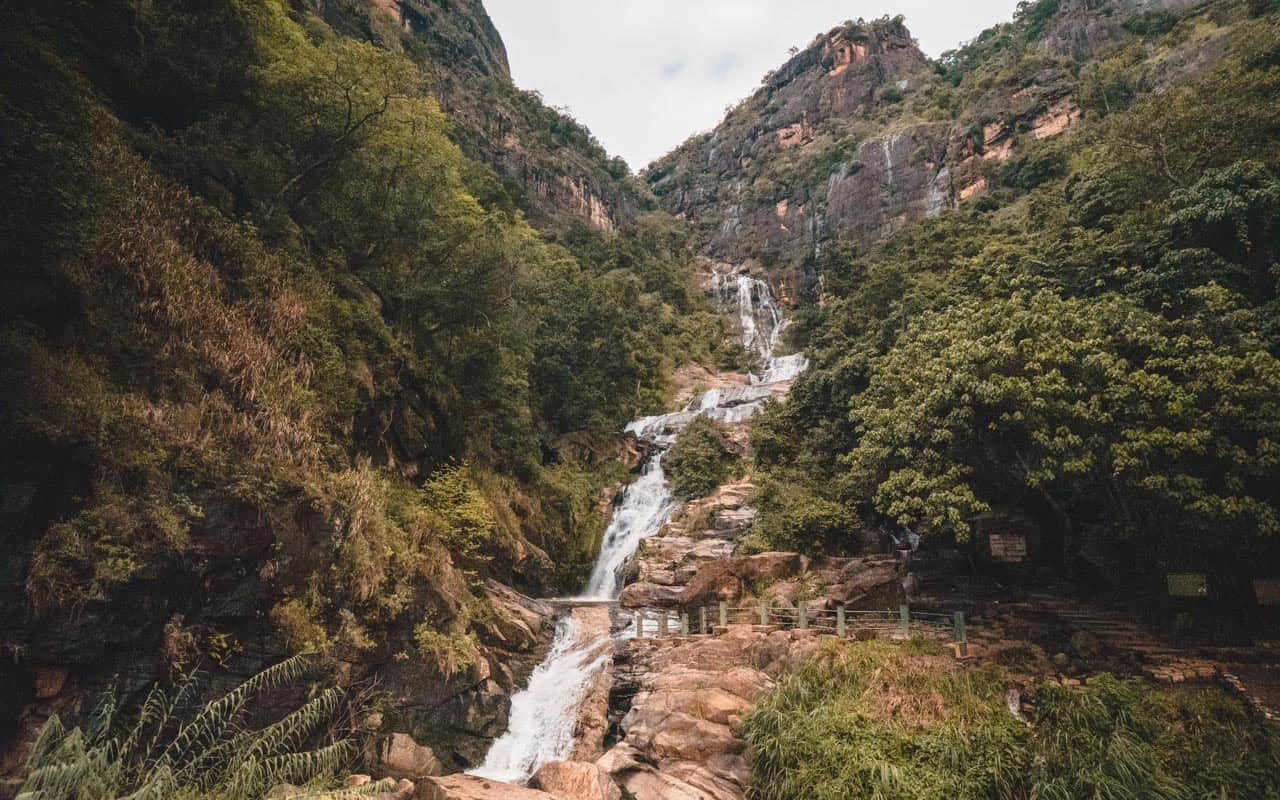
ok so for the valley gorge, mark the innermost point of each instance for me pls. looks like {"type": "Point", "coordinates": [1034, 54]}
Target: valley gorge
{"type": "Point", "coordinates": [368, 425]}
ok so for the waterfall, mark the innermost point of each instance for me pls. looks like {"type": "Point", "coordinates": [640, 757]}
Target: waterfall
{"type": "Point", "coordinates": [545, 713]}
{"type": "Point", "coordinates": [646, 506]}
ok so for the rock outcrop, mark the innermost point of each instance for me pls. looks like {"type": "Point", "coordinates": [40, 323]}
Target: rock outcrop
{"type": "Point", "coordinates": [844, 143]}
{"type": "Point", "coordinates": [576, 780]}
{"type": "Point", "coordinates": [469, 787]}
{"type": "Point", "coordinates": [680, 738]}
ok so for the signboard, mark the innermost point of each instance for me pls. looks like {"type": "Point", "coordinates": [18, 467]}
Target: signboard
{"type": "Point", "coordinates": [1267, 591]}
{"type": "Point", "coordinates": [1188, 584]}
{"type": "Point", "coordinates": [1008, 546]}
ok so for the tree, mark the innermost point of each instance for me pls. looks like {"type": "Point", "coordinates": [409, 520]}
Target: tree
{"type": "Point", "coordinates": [1108, 414]}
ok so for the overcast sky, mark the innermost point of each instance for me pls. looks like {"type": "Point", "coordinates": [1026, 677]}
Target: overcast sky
{"type": "Point", "coordinates": [644, 75]}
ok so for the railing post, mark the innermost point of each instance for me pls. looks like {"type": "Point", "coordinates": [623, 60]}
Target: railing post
{"type": "Point", "coordinates": [724, 613]}
{"type": "Point", "coordinates": [662, 624]}
{"type": "Point", "coordinates": [684, 623]}
{"type": "Point", "coordinates": [961, 636]}
{"type": "Point", "coordinates": [803, 608]}
{"type": "Point", "coordinates": [764, 614]}
{"type": "Point", "coordinates": [904, 621]}
{"type": "Point", "coordinates": [840, 620]}
{"type": "Point", "coordinates": [639, 625]}
{"type": "Point", "coordinates": [702, 620]}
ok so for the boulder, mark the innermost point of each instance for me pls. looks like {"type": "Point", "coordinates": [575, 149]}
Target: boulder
{"type": "Point", "coordinates": [727, 580]}
{"type": "Point", "coordinates": [771, 567]}
{"type": "Point", "coordinates": [470, 787]}
{"type": "Point", "coordinates": [649, 595]}
{"type": "Point", "coordinates": [875, 586]}
{"type": "Point", "coordinates": [576, 780]}
{"type": "Point", "coordinates": [399, 756]}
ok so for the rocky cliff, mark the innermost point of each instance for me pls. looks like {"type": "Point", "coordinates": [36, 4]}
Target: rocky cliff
{"type": "Point", "coordinates": [549, 165]}
{"type": "Point", "coordinates": [860, 133]}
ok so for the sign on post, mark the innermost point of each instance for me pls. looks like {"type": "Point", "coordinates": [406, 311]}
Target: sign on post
{"type": "Point", "coordinates": [1267, 591]}
{"type": "Point", "coordinates": [1010, 547]}
{"type": "Point", "coordinates": [1188, 584]}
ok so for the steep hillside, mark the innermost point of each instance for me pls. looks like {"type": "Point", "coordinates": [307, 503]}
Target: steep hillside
{"type": "Point", "coordinates": [859, 134]}
{"type": "Point", "coordinates": [549, 165]}
{"type": "Point", "coordinates": [288, 370]}
{"type": "Point", "coordinates": [1083, 334]}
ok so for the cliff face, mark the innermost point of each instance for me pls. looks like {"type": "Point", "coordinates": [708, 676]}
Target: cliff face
{"type": "Point", "coordinates": [860, 133]}
{"type": "Point", "coordinates": [782, 170]}
{"type": "Point", "coordinates": [550, 165]}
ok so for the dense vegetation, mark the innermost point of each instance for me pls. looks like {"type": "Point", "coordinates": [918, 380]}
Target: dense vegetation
{"type": "Point", "coordinates": [700, 460]}
{"type": "Point", "coordinates": [1094, 341]}
{"type": "Point", "coordinates": [894, 722]}
{"type": "Point", "coordinates": [280, 359]}
{"type": "Point", "coordinates": [177, 749]}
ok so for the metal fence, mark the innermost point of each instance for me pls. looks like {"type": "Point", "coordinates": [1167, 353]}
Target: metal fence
{"type": "Point", "coordinates": [840, 621]}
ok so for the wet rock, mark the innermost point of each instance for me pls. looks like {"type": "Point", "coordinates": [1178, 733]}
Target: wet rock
{"type": "Point", "coordinates": [593, 715]}
{"type": "Point", "coordinates": [576, 780]}
{"type": "Point", "coordinates": [649, 595]}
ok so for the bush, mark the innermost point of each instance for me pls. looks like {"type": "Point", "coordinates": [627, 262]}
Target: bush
{"type": "Point", "coordinates": [794, 517]}
{"type": "Point", "coordinates": [872, 719]}
{"type": "Point", "coordinates": [700, 460]}
{"type": "Point", "coordinates": [212, 754]}
{"type": "Point", "coordinates": [878, 720]}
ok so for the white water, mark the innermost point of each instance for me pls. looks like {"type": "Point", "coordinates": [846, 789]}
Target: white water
{"type": "Point", "coordinates": [544, 715]}
{"type": "Point", "coordinates": [646, 506]}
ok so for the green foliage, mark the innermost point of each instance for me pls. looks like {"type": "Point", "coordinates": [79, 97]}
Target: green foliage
{"type": "Point", "coordinates": [1151, 24]}
{"type": "Point", "coordinates": [878, 720]}
{"type": "Point", "coordinates": [1076, 398]}
{"type": "Point", "coordinates": [1123, 738]}
{"type": "Point", "coordinates": [890, 721]}
{"type": "Point", "coordinates": [700, 460]}
{"type": "Point", "coordinates": [257, 286]}
{"type": "Point", "coordinates": [447, 654]}
{"type": "Point", "coordinates": [173, 750]}
{"type": "Point", "coordinates": [1035, 15]}
{"type": "Point", "coordinates": [794, 517]}
{"type": "Point", "coordinates": [1095, 342]}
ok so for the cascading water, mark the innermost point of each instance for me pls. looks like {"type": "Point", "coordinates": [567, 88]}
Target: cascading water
{"type": "Point", "coordinates": [544, 715]}
{"type": "Point", "coordinates": [646, 506]}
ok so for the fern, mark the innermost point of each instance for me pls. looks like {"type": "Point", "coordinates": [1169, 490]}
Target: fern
{"type": "Point", "coordinates": [212, 755]}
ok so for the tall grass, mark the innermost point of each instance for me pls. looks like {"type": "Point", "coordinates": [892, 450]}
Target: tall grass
{"type": "Point", "coordinates": [173, 749]}
{"type": "Point", "coordinates": [879, 722]}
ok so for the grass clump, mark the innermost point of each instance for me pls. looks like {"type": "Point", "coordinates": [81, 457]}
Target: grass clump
{"type": "Point", "coordinates": [876, 720]}
{"type": "Point", "coordinates": [700, 460]}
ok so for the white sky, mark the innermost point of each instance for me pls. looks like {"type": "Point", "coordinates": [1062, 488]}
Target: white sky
{"type": "Point", "coordinates": [644, 75]}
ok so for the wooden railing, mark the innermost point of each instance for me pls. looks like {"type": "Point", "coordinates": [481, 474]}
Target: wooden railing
{"type": "Point", "coordinates": [840, 621]}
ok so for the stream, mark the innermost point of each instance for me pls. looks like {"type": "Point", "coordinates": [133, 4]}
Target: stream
{"type": "Point", "coordinates": [544, 714]}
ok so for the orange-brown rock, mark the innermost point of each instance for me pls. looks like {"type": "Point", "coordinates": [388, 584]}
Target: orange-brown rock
{"type": "Point", "coordinates": [399, 756]}
{"type": "Point", "coordinates": [469, 787]}
{"type": "Point", "coordinates": [576, 780]}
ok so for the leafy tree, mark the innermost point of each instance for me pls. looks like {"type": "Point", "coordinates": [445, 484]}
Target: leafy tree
{"type": "Point", "coordinates": [700, 460]}
{"type": "Point", "coordinates": [1166, 429]}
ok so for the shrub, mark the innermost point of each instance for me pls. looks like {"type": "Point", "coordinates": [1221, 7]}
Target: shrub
{"type": "Point", "coordinates": [700, 460]}
{"type": "Point", "coordinates": [876, 720]}
{"type": "Point", "coordinates": [213, 754]}
{"type": "Point", "coordinates": [794, 517]}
